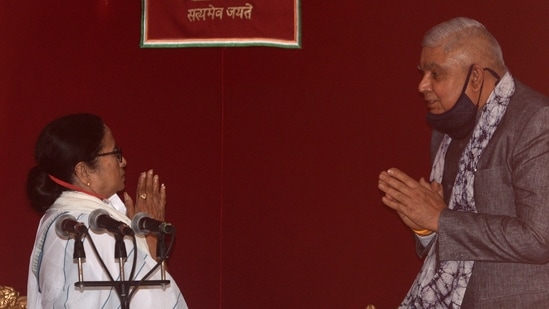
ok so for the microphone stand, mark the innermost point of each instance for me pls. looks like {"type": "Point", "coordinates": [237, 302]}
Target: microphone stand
{"type": "Point", "coordinates": [161, 252]}
{"type": "Point", "coordinates": [122, 286]}
{"type": "Point", "coordinates": [79, 254]}
{"type": "Point", "coordinates": [121, 255]}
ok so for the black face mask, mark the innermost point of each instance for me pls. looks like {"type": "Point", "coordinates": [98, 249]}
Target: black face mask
{"type": "Point", "coordinates": [460, 119]}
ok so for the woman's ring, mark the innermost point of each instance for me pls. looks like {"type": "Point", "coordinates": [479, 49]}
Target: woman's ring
{"type": "Point", "coordinates": [143, 196]}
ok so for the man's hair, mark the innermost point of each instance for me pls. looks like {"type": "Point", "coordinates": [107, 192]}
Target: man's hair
{"type": "Point", "coordinates": [469, 42]}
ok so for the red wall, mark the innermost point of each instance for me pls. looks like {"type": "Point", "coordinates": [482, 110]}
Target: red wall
{"type": "Point", "coordinates": [270, 155]}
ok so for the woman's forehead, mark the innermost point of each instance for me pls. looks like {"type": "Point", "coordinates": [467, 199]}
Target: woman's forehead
{"type": "Point", "coordinates": [108, 139]}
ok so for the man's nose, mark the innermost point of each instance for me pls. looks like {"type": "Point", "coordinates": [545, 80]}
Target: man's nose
{"type": "Point", "coordinates": [424, 84]}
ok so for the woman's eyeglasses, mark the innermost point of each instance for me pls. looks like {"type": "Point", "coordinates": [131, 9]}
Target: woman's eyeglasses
{"type": "Point", "coordinates": [117, 152]}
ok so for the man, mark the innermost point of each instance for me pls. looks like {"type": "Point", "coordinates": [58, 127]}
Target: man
{"type": "Point", "coordinates": [483, 220]}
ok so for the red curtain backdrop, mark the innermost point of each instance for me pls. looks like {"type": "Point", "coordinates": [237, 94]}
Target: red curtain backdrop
{"type": "Point", "coordinates": [191, 23]}
{"type": "Point", "coordinates": [270, 155]}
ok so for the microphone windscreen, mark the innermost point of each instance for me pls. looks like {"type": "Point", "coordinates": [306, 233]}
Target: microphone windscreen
{"type": "Point", "coordinates": [93, 219]}
{"type": "Point", "coordinates": [62, 225]}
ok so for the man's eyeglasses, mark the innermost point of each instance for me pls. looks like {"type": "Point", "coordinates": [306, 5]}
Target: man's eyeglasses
{"type": "Point", "coordinates": [117, 152]}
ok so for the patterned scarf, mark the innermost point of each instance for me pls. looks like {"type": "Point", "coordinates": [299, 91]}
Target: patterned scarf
{"type": "Point", "coordinates": [443, 285]}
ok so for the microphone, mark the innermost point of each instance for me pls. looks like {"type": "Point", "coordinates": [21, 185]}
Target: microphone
{"type": "Point", "coordinates": [67, 226]}
{"type": "Point", "coordinates": [100, 220]}
{"type": "Point", "coordinates": [143, 224]}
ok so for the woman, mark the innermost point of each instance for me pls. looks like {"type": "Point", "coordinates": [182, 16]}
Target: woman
{"type": "Point", "coordinates": [80, 169]}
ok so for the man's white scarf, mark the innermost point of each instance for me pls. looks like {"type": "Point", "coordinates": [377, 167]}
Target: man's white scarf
{"type": "Point", "coordinates": [443, 285]}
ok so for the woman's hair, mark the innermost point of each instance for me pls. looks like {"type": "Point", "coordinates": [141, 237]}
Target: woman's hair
{"type": "Point", "coordinates": [62, 144]}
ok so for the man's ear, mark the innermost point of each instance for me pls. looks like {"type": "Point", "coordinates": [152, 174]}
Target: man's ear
{"type": "Point", "coordinates": [477, 78]}
{"type": "Point", "coordinates": [82, 173]}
